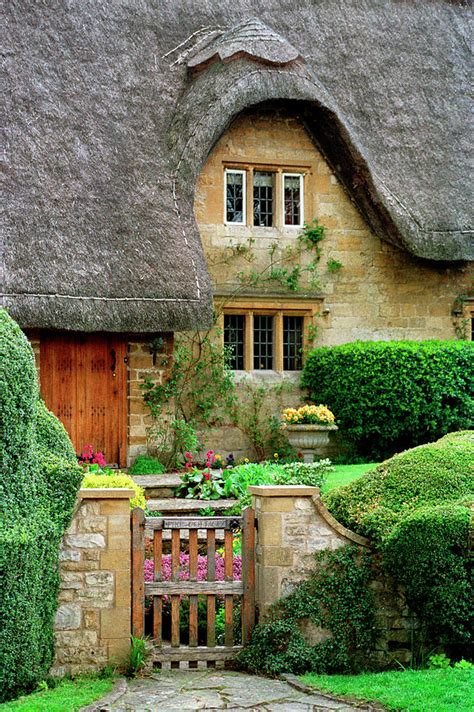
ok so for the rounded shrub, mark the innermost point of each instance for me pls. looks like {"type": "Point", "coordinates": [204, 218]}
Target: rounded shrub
{"type": "Point", "coordinates": [388, 396]}
{"type": "Point", "coordinates": [428, 553]}
{"type": "Point", "coordinates": [39, 479]}
{"type": "Point", "coordinates": [429, 474]}
{"type": "Point", "coordinates": [416, 508]}
{"type": "Point", "coordinates": [19, 478]}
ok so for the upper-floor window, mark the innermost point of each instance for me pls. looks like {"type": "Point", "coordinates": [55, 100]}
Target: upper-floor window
{"type": "Point", "coordinates": [235, 197]}
{"type": "Point", "coordinates": [293, 198]}
{"type": "Point", "coordinates": [263, 194]}
{"type": "Point", "coordinates": [277, 198]}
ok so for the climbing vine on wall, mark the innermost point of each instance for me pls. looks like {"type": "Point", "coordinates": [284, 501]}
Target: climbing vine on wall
{"type": "Point", "coordinates": [337, 600]}
{"type": "Point", "coordinates": [198, 390]}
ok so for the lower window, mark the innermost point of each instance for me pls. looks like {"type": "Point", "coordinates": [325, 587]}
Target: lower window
{"type": "Point", "coordinates": [269, 341]}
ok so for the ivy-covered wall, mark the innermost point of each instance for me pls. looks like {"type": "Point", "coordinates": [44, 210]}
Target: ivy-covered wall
{"type": "Point", "coordinates": [348, 616]}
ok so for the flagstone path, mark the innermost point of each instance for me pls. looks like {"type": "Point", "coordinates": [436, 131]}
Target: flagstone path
{"type": "Point", "coordinates": [178, 690]}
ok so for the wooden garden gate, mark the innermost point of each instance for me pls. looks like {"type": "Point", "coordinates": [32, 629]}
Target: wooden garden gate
{"type": "Point", "coordinates": [184, 582]}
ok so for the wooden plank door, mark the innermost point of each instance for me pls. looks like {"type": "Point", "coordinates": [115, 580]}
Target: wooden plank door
{"type": "Point", "coordinates": [84, 382]}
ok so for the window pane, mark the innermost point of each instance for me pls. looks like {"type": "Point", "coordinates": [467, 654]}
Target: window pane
{"type": "Point", "coordinates": [262, 342]}
{"type": "Point", "coordinates": [235, 197]}
{"type": "Point", "coordinates": [292, 200]}
{"type": "Point", "coordinates": [234, 330]}
{"type": "Point", "coordinates": [292, 343]}
{"type": "Point", "coordinates": [263, 199]}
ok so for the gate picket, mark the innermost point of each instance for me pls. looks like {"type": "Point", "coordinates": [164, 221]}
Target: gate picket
{"type": "Point", "coordinates": [172, 652]}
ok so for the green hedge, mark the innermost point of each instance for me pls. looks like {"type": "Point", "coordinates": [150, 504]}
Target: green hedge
{"type": "Point", "coordinates": [388, 396]}
{"type": "Point", "coordinates": [416, 509]}
{"type": "Point", "coordinates": [39, 479]}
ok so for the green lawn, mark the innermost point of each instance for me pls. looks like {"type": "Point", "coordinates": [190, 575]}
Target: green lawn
{"type": "Point", "coordinates": [448, 690]}
{"type": "Point", "coordinates": [343, 474]}
{"type": "Point", "coordinates": [67, 696]}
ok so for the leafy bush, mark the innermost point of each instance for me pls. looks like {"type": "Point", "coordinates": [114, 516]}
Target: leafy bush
{"type": "Point", "coordinates": [145, 465]}
{"type": "Point", "coordinates": [337, 599]}
{"type": "Point", "coordinates": [388, 396]}
{"type": "Point", "coordinates": [428, 553]}
{"type": "Point", "coordinates": [117, 480]}
{"type": "Point", "coordinates": [39, 479]}
{"type": "Point", "coordinates": [234, 483]}
{"type": "Point", "coordinates": [415, 506]}
{"type": "Point", "coordinates": [311, 474]}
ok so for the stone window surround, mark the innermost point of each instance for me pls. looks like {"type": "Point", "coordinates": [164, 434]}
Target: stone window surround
{"type": "Point", "coordinates": [278, 309]}
{"type": "Point", "coordinates": [280, 170]}
{"type": "Point", "coordinates": [468, 313]}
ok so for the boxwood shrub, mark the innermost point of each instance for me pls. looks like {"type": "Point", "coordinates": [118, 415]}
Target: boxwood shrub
{"type": "Point", "coordinates": [39, 479]}
{"type": "Point", "coordinates": [416, 508]}
{"type": "Point", "coordinates": [388, 396]}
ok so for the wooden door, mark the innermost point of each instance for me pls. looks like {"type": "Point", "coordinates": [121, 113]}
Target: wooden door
{"type": "Point", "coordinates": [84, 382]}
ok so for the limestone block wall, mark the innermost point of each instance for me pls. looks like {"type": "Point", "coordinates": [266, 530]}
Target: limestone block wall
{"type": "Point", "coordinates": [379, 293]}
{"type": "Point", "coordinates": [140, 366]}
{"type": "Point", "coordinates": [93, 618]}
{"type": "Point", "coordinates": [292, 525]}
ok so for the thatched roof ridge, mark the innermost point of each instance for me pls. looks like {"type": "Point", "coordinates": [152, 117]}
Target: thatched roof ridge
{"type": "Point", "coordinates": [252, 38]}
{"type": "Point", "coordinates": [113, 109]}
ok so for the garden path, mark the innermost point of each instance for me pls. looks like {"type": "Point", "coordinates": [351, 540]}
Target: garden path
{"type": "Point", "coordinates": [179, 690]}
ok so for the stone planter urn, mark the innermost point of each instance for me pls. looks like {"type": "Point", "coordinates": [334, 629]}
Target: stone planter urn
{"type": "Point", "coordinates": [309, 439]}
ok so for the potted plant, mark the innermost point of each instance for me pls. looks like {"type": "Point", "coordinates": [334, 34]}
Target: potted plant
{"type": "Point", "coordinates": [308, 428]}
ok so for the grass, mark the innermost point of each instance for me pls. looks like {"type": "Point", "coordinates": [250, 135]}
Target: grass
{"type": "Point", "coordinates": [448, 690]}
{"type": "Point", "coordinates": [343, 474]}
{"type": "Point", "coordinates": [66, 696]}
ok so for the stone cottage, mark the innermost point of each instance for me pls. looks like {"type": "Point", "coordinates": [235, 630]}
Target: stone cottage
{"type": "Point", "coordinates": [152, 147]}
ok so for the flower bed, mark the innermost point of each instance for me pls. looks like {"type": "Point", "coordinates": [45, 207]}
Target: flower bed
{"type": "Point", "coordinates": [201, 570]}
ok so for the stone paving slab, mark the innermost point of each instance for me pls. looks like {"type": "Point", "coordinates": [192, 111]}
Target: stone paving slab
{"type": "Point", "coordinates": [177, 690]}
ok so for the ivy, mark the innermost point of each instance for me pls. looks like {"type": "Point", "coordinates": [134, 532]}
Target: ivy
{"type": "Point", "coordinates": [336, 598]}
{"type": "Point", "coordinates": [198, 390]}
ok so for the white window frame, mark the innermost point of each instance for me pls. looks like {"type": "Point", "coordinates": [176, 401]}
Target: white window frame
{"type": "Point", "coordinates": [244, 196]}
{"type": "Point", "coordinates": [301, 178]}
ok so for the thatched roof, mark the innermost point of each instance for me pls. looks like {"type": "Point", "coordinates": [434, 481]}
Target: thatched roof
{"type": "Point", "coordinates": [114, 107]}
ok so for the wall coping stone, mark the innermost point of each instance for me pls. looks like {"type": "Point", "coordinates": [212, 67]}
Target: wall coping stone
{"type": "Point", "coordinates": [337, 526]}
{"type": "Point", "coordinates": [283, 491]}
{"type": "Point", "coordinates": [314, 493]}
{"type": "Point", "coordinates": [106, 493]}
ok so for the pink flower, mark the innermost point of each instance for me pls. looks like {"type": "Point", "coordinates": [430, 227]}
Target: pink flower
{"type": "Point", "coordinates": [87, 452]}
{"type": "Point", "coordinates": [183, 574]}
{"type": "Point", "coordinates": [99, 459]}
{"type": "Point", "coordinates": [206, 475]}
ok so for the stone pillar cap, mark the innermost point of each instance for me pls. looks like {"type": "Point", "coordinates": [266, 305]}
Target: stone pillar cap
{"type": "Point", "coordinates": [106, 493]}
{"type": "Point", "coordinates": [283, 491]}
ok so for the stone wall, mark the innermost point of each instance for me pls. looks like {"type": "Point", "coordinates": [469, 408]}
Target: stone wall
{"type": "Point", "coordinates": [140, 366]}
{"type": "Point", "coordinates": [292, 525]}
{"type": "Point", "coordinates": [93, 618]}
{"type": "Point", "coordinates": [380, 292]}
